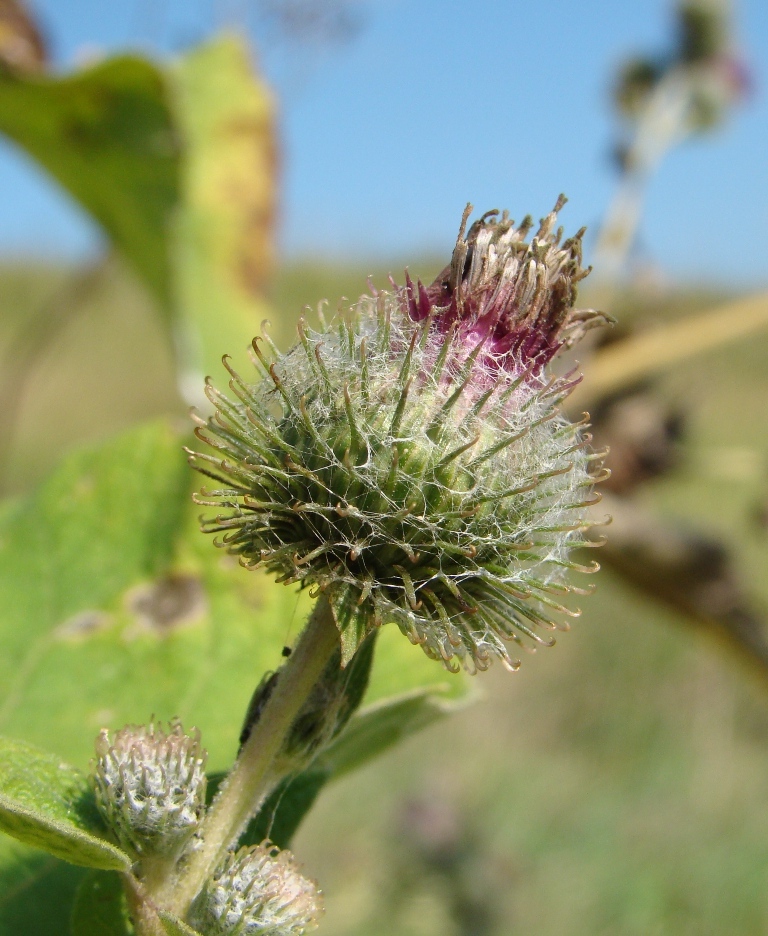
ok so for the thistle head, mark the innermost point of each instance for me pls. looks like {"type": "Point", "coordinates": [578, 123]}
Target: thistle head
{"type": "Point", "coordinates": [409, 460]}
{"type": "Point", "coordinates": [258, 890]}
{"type": "Point", "coordinates": [150, 786]}
{"type": "Point", "coordinates": [512, 298]}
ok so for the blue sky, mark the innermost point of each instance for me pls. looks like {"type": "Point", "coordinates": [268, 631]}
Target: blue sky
{"type": "Point", "coordinates": [432, 104]}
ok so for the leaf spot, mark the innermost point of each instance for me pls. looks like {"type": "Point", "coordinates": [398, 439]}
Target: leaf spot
{"type": "Point", "coordinates": [83, 624]}
{"type": "Point", "coordinates": [167, 603]}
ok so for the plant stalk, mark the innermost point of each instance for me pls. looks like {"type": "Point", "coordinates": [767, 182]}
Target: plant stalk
{"type": "Point", "coordinates": [661, 125]}
{"type": "Point", "coordinates": [146, 922]}
{"type": "Point", "coordinates": [250, 779]}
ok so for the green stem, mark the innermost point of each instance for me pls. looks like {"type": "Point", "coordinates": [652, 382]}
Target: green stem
{"type": "Point", "coordinates": [250, 779]}
{"type": "Point", "coordinates": [153, 872]}
{"type": "Point", "coordinates": [146, 922]}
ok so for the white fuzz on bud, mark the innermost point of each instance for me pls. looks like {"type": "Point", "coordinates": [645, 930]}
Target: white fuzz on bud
{"type": "Point", "coordinates": [150, 786]}
{"type": "Point", "coordinates": [258, 890]}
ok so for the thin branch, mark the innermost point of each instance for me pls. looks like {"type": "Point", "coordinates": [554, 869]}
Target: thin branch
{"type": "Point", "coordinates": [625, 363]}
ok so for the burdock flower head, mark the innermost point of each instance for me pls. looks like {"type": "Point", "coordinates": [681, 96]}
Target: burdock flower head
{"type": "Point", "coordinates": [409, 460]}
{"type": "Point", "coordinates": [150, 786]}
{"type": "Point", "coordinates": [258, 890]}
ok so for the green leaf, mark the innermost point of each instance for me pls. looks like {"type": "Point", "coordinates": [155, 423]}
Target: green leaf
{"type": "Point", "coordinates": [70, 554]}
{"type": "Point", "coordinates": [355, 679]}
{"type": "Point", "coordinates": [99, 908]}
{"type": "Point", "coordinates": [36, 890]}
{"type": "Point", "coordinates": [223, 236]}
{"type": "Point", "coordinates": [46, 803]}
{"type": "Point", "coordinates": [177, 165]}
{"type": "Point", "coordinates": [335, 699]}
{"type": "Point", "coordinates": [379, 727]}
{"type": "Point", "coordinates": [353, 620]}
{"type": "Point", "coordinates": [284, 809]}
{"type": "Point", "coordinates": [107, 135]}
{"type": "Point", "coordinates": [113, 606]}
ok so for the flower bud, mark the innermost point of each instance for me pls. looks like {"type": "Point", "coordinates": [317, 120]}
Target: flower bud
{"type": "Point", "coordinates": [150, 786]}
{"type": "Point", "coordinates": [410, 461]}
{"type": "Point", "coordinates": [258, 890]}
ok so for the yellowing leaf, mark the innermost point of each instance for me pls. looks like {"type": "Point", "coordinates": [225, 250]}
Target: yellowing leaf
{"type": "Point", "coordinates": [223, 246]}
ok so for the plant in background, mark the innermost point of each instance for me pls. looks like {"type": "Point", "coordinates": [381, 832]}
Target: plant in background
{"type": "Point", "coordinates": [407, 463]}
{"type": "Point", "coordinates": [663, 100]}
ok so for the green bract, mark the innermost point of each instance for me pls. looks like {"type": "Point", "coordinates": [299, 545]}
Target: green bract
{"type": "Point", "coordinates": [258, 890]}
{"type": "Point", "coordinates": [410, 461]}
{"type": "Point", "coordinates": [150, 786]}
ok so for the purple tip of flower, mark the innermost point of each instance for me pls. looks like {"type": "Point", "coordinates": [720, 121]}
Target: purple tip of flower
{"type": "Point", "coordinates": [513, 297]}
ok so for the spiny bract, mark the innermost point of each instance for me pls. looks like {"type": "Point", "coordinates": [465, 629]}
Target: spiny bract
{"type": "Point", "coordinates": [409, 460]}
{"type": "Point", "coordinates": [150, 786]}
{"type": "Point", "coordinates": [258, 890]}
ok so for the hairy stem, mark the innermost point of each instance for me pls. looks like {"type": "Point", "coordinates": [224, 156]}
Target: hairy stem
{"type": "Point", "coordinates": [250, 779]}
{"type": "Point", "coordinates": [146, 922]}
{"type": "Point", "coordinates": [154, 871]}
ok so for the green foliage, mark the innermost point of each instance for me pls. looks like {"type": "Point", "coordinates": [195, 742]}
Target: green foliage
{"type": "Point", "coordinates": [352, 619]}
{"type": "Point", "coordinates": [381, 726]}
{"type": "Point", "coordinates": [48, 804]}
{"type": "Point", "coordinates": [285, 809]}
{"type": "Point", "coordinates": [106, 134]}
{"type": "Point", "coordinates": [176, 164]}
{"type": "Point", "coordinates": [113, 607]}
{"type": "Point", "coordinates": [334, 699]}
{"type": "Point", "coordinates": [222, 244]}
{"type": "Point", "coordinates": [36, 890]}
{"type": "Point", "coordinates": [99, 908]}
{"type": "Point", "coordinates": [104, 522]}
